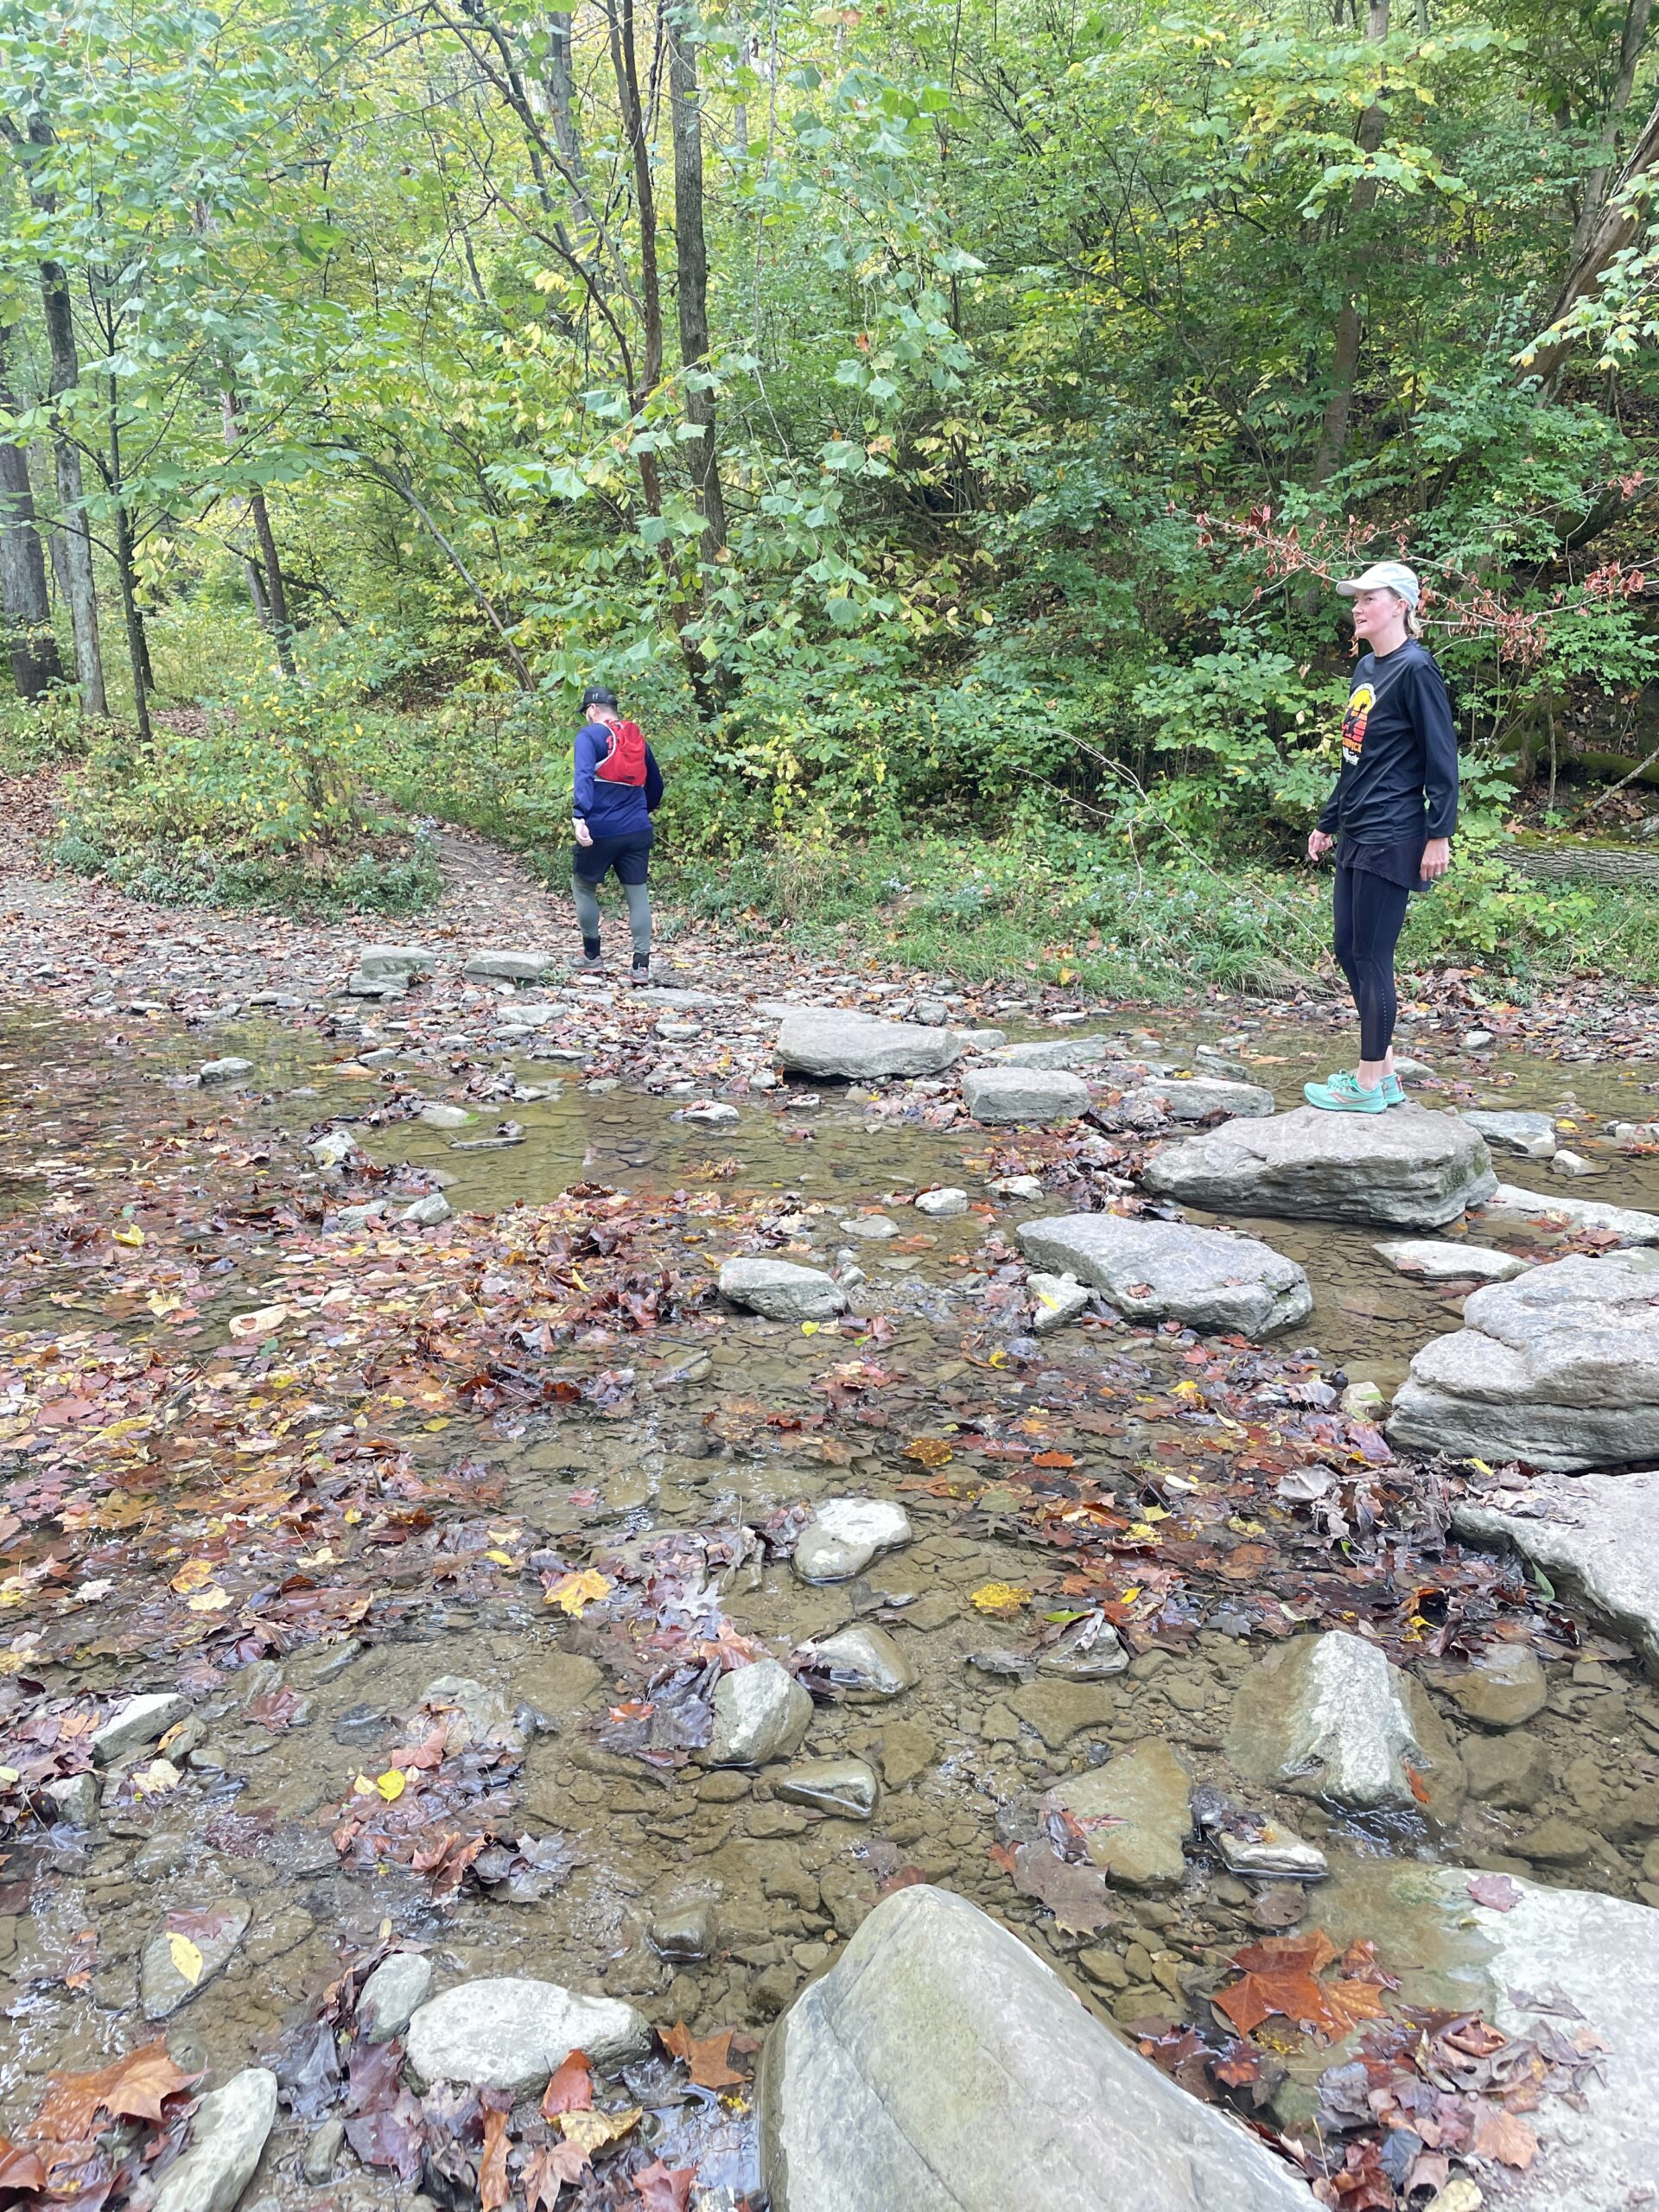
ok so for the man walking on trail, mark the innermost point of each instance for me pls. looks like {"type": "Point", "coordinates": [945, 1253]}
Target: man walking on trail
{"type": "Point", "coordinates": [1390, 818]}
{"type": "Point", "coordinates": [619, 788]}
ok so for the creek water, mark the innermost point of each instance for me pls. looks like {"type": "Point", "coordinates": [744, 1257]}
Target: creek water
{"type": "Point", "coordinates": [963, 1755]}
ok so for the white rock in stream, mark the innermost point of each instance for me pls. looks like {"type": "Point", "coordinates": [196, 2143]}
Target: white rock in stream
{"type": "Point", "coordinates": [141, 1720]}
{"type": "Point", "coordinates": [227, 2137]}
{"type": "Point", "coordinates": [845, 1534]}
{"type": "Point", "coordinates": [782, 1291]}
{"type": "Point", "coordinates": [1408, 1166]}
{"type": "Point", "coordinates": [823, 1041]}
{"type": "Point", "coordinates": [1529, 1136]}
{"type": "Point", "coordinates": [1056, 1301]}
{"type": "Point", "coordinates": [761, 1712]}
{"type": "Point", "coordinates": [942, 2067]}
{"type": "Point", "coordinates": [512, 2034]}
{"type": "Point", "coordinates": [437, 1114]}
{"type": "Point", "coordinates": [1560, 1367]}
{"type": "Point", "coordinates": [427, 1212]}
{"type": "Point", "coordinates": [1451, 1263]}
{"type": "Point", "coordinates": [507, 967]}
{"type": "Point", "coordinates": [1596, 1535]}
{"type": "Point", "coordinates": [392, 1995]}
{"type": "Point", "coordinates": [1166, 1270]}
{"type": "Point", "coordinates": [997, 1094]}
{"type": "Point", "coordinates": [1510, 1202]}
{"type": "Point", "coordinates": [228, 1070]}
{"type": "Point", "coordinates": [1328, 1713]}
{"type": "Point", "coordinates": [942, 1204]}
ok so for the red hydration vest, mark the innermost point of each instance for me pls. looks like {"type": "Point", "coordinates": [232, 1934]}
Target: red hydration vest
{"type": "Point", "coordinates": [625, 756]}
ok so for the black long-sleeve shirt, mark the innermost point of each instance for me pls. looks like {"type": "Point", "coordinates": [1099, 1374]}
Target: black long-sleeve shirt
{"type": "Point", "coordinates": [1399, 775]}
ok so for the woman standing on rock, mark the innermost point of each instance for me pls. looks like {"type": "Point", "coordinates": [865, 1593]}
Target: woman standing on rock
{"type": "Point", "coordinates": [1391, 819]}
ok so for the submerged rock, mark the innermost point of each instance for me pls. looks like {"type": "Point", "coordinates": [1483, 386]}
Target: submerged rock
{"type": "Point", "coordinates": [782, 1291]}
{"type": "Point", "coordinates": [228, 1070]}
{"type": "Point", "coordinates": [825, 1040]}
{"type": "Point", "coordinates": [1166, 1270]}
{"type": "Point", "coordinates": [1410, 1167]}
{"type": "Point", "coordinates": [186, 1953]}
{"type": "Point", "coordinates": [227, 2138]}
{"type": "Point", "coordinates": [1255, 1843]}
{"type": "Point", "coordinates": [845, 1534]}
{"type": "Point", "coordinates": [1529, 1136]}
{"type": "Point", "coordinates": [512, 2034]}
{"type": "Point", "coordinates": [845, 1786]}
{"type": "Point", "coordinates": [941, 2067]}
{"type": "Point", "coordinates": [1198, 1097]}
{"type": "Point", "coordinates": [1597, 1534]}
{"type": "Point", "coordinates": [1328, 1715]}
{"type": "Point", "coordinates": [1505, 1685]}
{"type": "Point", "coordinates": [141, 1720]}
{"type": "Point", "coordinates": [862, 1662]}
{"type": "Point", "coordinates": [1090, 1650]}
{"type": "Point", "coordinates": [760, 1713]}
{"type": "Point", "coordinates": [392, 1995]}
{"type": "Point", "coordinates": [1560, 1367]}
{"type": "Point", "coordinates": [1141, 1799]}
{"type": "Point", "coordinates": [999, 1094]}
{"type": "Point", "coordinates": [1435, 1262]}
{"type": "Point", "coordinates": [1510, 1202]}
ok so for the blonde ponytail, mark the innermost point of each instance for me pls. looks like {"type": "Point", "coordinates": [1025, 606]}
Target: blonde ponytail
{"type": "Point", "coordinates": [1414, 623]}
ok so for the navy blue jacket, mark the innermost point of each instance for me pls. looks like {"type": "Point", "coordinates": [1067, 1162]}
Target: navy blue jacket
{"type": "Point", "coordinates": [611, 810]}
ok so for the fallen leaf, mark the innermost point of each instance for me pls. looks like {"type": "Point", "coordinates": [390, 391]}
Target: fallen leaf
{"type": "Point", "coordinates": [571, 2089]}
{"type": "Point", "coordinates": [19, 2169]}
{"type": "Point", "coordinates": [133, 2087]}
{"type": "Point", "coordinates": [1496, 1890]}
{"type": "Point", "coordinates": [391, 1785]}
{"type": "Point", "coordinates": [664, 2188]}
{"type": "Point", "coordinates": [1498, 2134]}
{"type": "Point", "coordinates": [572, 1593]}
{"type": "Point", "coordinates": [706, 2059]}
{"type": "Point", "coordinates": [187, 1957]}
{"type": "Point", "coordinates": [213, 1600]}
{"type": "Point", "coordinates": [195, 1574]}
{"type": "Point", "coordinates": [546, 2171]}
{"type": "Point", "coordinates": [1001, 1598]}
{"type": "Point", "coordinates": [128, 1236]}
{"type": "Point", "coordinates": [594, 2130]}
{"type": "Point", "coordinates": [929, 1451]}
{"type": "Point", "coordinates": [494, 2190]}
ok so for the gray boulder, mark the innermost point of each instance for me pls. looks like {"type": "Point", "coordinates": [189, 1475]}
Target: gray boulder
{"type": "Point", "coordinates": [1408, 1166]}
{"type": "Point", "coordinates": [845, 1534]}
{"type": "Point", "coordinates": [863, 1663]}
{"type": "Point", "coordinates": [1509, 1202]}
{"type": "Point", "coordinates": [1057, 1052]}
{"type": "Point", "coordinates": [1055, 1300]}
{"type": "Point", "coordinates": [1000, 1095]}
{"type": "Point", "coordinates": [507, 967]}
{"type": "Point", "coordinates": [392, 1995]}
{"type": "Point", "coordinates": [781, 1291]}
{"type": "Point", "coordinates": [512, 2034]}
{"type": "Point", "coordinates": [179, 1962]}
{"type": "Point", "coordinates": [1198, 1097]}
{"type": "Point", "coordinates": [1135, 1813]}
{"type": "Point", "coordinates": [941, 2067]}
{"type": "Point", "coordinates": [1166, 1270]}
{"type": "Point", "coordinates": [1596, 1535]}
{"type": "Point", "coordinates": [228, 1070]}
{"type": "Point", "coordinates": [844, 1786]}
{"type": "Point", "coordinates": [1436, 1261]}
{"type": "Point", "coordinates": [1560, 1367]}
{"type": "Point", "coordinates": [1529, 1136]}
{"type": "Point", "coordinates": [140, 1721]}
{"type": "Point", "coordinates": [761, 1712]}
{"type": "Point", "coordinates": [227, 2138]}
{"type": "Point", "coordinates": [393, 963]}
{"type": "Point", "coordinates": [1327, 1714]}
{"type": "Point", "coordinates": [824, 1040]}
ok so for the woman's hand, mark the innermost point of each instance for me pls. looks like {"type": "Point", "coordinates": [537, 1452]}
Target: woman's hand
{"type": "Point", "coordinates": [584, 835]}
{"type": "Point", "coordinates": [1437, 858]}
{"type": "Point", "coordinates": [1320, 843]}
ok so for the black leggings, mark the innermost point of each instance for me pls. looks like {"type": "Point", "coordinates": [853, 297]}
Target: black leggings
{"type": "Point", "coordinates": [1369, 914]}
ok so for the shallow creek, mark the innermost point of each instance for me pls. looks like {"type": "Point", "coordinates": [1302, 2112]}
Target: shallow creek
{"type": "Point", "coordinates": [963, 1756]}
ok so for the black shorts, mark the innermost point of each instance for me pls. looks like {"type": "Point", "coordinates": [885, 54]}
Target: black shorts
{"type": "Point", "coordinates": [629, 856]}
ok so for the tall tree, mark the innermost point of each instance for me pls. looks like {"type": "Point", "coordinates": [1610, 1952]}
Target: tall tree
{"type": "Point", "coordinates": [691, 267]}
{"type": "Point", "coordinates": [30, 640]}
{"type": "Point", "coordinates": [1344, 365]}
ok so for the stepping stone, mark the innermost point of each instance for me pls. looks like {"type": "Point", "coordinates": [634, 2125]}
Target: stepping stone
{"type": "Point", "coordinates": [940, 2066]}
{"type": "Point", "coordinates": [507, 967]}
{"type": "Point", "coordinates": [1255, 1844]}
{"type": "Point", "coordinates": [826, 1041]}
{"type": "Point", "coordinates": [228, 1070]}
{"type": "Point", "coordinates": [1408, 1166]}
{"type": "Point", "coordinates": [845, 1534]}
{"type": "Point", "coordinates": [863, 1663]}
{"type": "Point", "coordinates": [1061, 1052]}
{"type": "Point", "coordinates": [228, 2132]}
{"type": "Point", "coordinates": [392, 1995]}
{"type": "Point", "coordinates": [1504, 1686]}
{"type": "Point", "coordinates": [1508, 1201]}
{"type": "Point", "coordinates": [512, 2034]}
{"type": "Point", "coordinates": [843, 1786]}
{"type": "Point", "coordinates": [1435, 1262]}
{"type": "Point", "coordinates": [1056, 1301]}
{"type": "Point", "coordinates": [393, 963]}
{"type": "Point", "coordinates": [1003, 1095]}
{"type": "Point", "coordinates": [1596, 1534]}
{"type": "Point", "coordinates": [781, 1291]}
{"type": "Point", "coordinates": [1140, 1802]}
{"type": "Point", "coordinates": [1559, 1367]}
{"type": "Point", "coordinates": [1198, 1097]}
{"type": "Point", "coordinates": [1529, 1136]}
{"type": "Point", "coordinates": [1166, 1270]}
{"type": "Point", "coordinates": [139, 1721]}
{"type": "Point", "coordinates": [761, 1712]}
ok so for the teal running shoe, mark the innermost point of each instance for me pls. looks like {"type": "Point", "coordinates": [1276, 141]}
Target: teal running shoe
{"type": "Point", "coordinates": [1394, 1091]}
{"type": "Point", "coordinates": [1342, 1095]}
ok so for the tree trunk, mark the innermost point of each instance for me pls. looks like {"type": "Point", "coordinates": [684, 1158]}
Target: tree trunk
{"type": "Point", "coordinates": [77, 535]}
{"type": "Point", "coordinates": [626, 65]}
{"type": "Point", "coordinates": [1333, 431]}
{"type": "Point", "coordinates": [1614, 228]}
{"type": "Point", "coordinates": [138, 649]}
{"type": "Point", "coordinates": [274, 616]}
{"type": "Point", "coordinates": [257, 593]}
{"type": "Point", "coordinates": [1631, 40]}
{"type": "Point", "coordinates": [29, 639]}
{"type": "Point", "coordinates": [691, 262]}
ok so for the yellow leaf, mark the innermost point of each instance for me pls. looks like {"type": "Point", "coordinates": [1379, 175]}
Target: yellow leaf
{"type": "Point", "coordinates": [9, 1774]}
{"type": "Point", "coordinates": [209, 1601]}
{"type": "Point", "coordinates": [128, 1236]}
{"type": "Point", "coordinates": [160, 1776]}
{"type": "Point", "coordinates": [161, 1303]}
{"type": "Point", "coordinates": [502, 1559]}
{"type": "Point", "coordinates": [187, 1957]}
{"type": "Point", "coordinates": [572, 1592]}
{"type": "Point", "coordinates": [363, 1786]}
{"type": "Point", "coordinates": [1131, 1594]}
{"type": "Point", "coordinates": [1001, 1598]}
{"type": "Point", "coordinates": [391, 1785]}
{"type": "Point", "coordinates": [195, 1574]}
{"type": "Point", "coordinates": [809, 1328]}
{"type": "Point", "coordinates": [592, 2130]}
{"type": "Point", "coordinates": [931, 1451]}
{"type": "Point", "coordinates": [1481, 1465]}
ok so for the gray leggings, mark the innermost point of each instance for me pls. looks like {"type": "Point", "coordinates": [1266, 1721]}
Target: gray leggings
{"type": "Point", "coordinates": [638, 895]}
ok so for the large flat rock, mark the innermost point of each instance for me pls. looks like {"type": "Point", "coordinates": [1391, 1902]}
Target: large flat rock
{"type": "Point", "coordinates": [1510, 1202]}
{"type": "Point", "coordinates": [1074, 1051]}
{"type": "Point", "coordinates": [509, 2033]}
{"type": "Point", "coordinates": [1597, 1535]}
{"type": "Point", "coordinates": [1166, 1270]}
{"type": "Point", "coordinates": [826, 1041]}
{"type": "Point", "coordinates": [1559, 1367]}
{"type": "Point", "coordinates": [782, 1291]}
{"type": "Point", "coordinates": [1201, 1098]}
{"type": "Point", "coordinates": [1408, 1167]}
{"type": "Point", "coordinates": [942, 2067]}
{"type": "Point", "coordinates": [227, 2138]}
{"type": "Point", "coordinates": [993, 1094]}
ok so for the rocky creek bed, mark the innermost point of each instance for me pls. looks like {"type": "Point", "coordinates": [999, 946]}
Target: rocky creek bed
{"type": "Point", "coordinates": [569, 1569]}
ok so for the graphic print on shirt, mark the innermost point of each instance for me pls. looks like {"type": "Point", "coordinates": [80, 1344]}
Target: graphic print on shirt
{"type": "Point", "coordinates": [1361, 701]}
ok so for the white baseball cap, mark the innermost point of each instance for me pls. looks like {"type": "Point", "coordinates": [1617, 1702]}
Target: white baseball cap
{"type": "Point", "coordinates": [1385, 575]}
